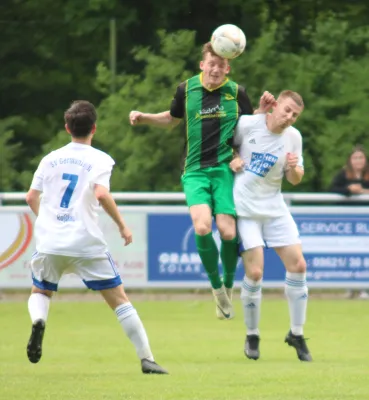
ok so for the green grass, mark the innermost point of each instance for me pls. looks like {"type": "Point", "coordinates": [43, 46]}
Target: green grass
{"type": "Point", "coordinates": [87, 356]}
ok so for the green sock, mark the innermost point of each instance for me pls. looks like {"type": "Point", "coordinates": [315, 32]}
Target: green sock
{"type": "Point", "coordinates": [209, 255]}
{"type": "Point", "coordinates": [229, 257]}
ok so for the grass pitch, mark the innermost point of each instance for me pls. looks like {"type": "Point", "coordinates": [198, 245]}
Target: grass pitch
{"type": "Point", "coordinates": [86, 355]}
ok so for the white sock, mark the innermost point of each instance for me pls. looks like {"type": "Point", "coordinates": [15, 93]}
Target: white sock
{"type": "Point", "coordinates": [251, 302]}
{"type": "Point", "coordinates": [38, 306]}
{"type": "Point", "coordinates": [134, 329]}
{"type": "Point", "coordinates": [296, 292]}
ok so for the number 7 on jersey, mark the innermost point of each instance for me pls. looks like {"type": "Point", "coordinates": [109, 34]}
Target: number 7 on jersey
{"type": "Point", "coordinates": [69, 190]}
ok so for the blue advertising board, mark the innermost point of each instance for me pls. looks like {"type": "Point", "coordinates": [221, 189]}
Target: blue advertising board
{"type": "Point", "coordinates": [335, 246]}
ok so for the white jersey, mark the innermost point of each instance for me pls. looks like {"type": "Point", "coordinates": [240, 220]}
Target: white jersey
{"type": "Point", "coordinates": [67, 223]}
{"type": "Point", "coordinates": [257, 190]}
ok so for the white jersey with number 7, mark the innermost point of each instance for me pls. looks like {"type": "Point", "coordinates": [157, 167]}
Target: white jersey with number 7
{"type": "Point", "coordinates": [257, 189]}
{"type": "Point", "coordinates": [67, 223]}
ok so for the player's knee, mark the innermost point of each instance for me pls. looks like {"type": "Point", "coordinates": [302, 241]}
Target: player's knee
{"type": "Point", "coordinates": [227, 231]}
{"type": "Point", "coordinates": [115, 296]}
{"type": "Point", "coordinates": [202, 228]}
{"type": "Point", "coordinates": [300, 265]}
{"type": "Point", "coordinates": [255, 273]}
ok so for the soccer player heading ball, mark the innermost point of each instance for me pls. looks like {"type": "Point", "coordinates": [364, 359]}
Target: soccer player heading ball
{"type": "Point", "coordinates": [210, 105]}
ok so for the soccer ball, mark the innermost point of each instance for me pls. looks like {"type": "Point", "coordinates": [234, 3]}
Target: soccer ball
{"type": "Point", "coordinates": [228, 41]}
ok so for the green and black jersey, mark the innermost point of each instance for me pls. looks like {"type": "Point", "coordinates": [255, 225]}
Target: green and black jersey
{"type": "Point", "coordinates": [210, 118]}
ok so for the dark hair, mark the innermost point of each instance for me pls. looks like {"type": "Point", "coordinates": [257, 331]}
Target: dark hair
{"type": "Point", "coordinates": [80, 118]}
{"type": "Point", "coordinates": [348, 167]}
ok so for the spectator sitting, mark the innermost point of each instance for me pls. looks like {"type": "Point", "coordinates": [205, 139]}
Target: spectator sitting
{"type": "Point", "coordinates": [353, 179]}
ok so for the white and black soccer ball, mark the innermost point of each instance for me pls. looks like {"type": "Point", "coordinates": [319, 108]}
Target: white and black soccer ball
{"type": "Point", "coordinates": [228, 41]}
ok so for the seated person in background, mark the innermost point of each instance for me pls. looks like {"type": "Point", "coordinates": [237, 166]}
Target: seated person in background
{"type": "Point", "coordinates": [353, 179]}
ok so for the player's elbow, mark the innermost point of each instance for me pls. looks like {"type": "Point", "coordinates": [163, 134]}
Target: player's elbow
{"type": "Point", "coordinates": [29, 198]}
{"type": "Point", "coordinates": [172, 121]}
{"type": "Point", "coordinates": [101, 193]}
{"type": "Point", "coordinates": [32, 197]}
{"type": "Point", "coordinates": [294, 181]}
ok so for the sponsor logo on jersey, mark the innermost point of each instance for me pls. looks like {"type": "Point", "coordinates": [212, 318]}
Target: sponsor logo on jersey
{"type": "Point", "coordinates": [261, 163]}
{"type": "Point", "coordinates": [211, 112]}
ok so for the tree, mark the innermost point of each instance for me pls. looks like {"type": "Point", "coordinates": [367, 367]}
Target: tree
{"type": "Point", "coordinates": [330, 73]}
{"type": "Point", "coordinates": [147, 158]}
{"type": "Point", "coordinates": [9, 179]}
{"type": "Point", "coordinates": [50, 49]}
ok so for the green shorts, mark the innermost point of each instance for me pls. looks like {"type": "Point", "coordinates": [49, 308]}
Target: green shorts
{"type": "Point", "coordinates": [212, 186]}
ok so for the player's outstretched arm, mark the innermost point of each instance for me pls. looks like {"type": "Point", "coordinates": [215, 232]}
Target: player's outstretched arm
{"type": "Point", "coordinates": [33, 200]}
{"type": "Point", "coordinates": [163, 119]}
{"type": "Point", "coordinates": [108, 204]}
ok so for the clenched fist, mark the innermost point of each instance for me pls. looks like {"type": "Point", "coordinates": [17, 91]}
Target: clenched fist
{"type": "Point", "coordinates": [291, 160]}
{"type": "Point", "coordinates": [135, 117]}
{"type": "Point", "coordinates": [267, 102]}
{"type": "Point", "coordinates": [237, 164]}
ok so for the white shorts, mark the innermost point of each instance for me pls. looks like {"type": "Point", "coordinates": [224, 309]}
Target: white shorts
{"type": "Point", "coordinates": [97, 273]}
{"type": "Point", "coordinates": [269, 232]}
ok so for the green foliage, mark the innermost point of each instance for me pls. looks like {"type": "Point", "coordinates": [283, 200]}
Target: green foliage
{"type": "Point", "coordinates": [9, 151]}
{"type": "Point", "coordinates": [147, 159]}
{"type": "Point", "coordinates": [51, 52]}
{"type": "Point", "coordinates": [330, 73]}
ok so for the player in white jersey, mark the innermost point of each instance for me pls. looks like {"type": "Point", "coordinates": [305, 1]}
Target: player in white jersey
{"type": "Point", "coordinates": [270, 148]}
{"type": "Point", "coordinates": [65, 194]}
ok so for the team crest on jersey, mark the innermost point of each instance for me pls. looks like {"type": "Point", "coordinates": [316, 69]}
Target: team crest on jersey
{"type": "Point", "coordinates": [228, 96]}
{"type": "Point", "coordinates": [261, 163]}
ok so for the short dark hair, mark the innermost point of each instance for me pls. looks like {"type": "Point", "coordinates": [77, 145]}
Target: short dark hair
{"type": "Point", "coordinates": [80, 118]}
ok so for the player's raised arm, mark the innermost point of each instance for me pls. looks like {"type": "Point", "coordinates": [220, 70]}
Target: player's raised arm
{"type": "Point", "coordinates": [295, 162]}
{"type": "Point", "coordinates": [163, 119]}
{"type": "Point", "coordinates": [166, 119]}
{"type": "Point", "coordinates": [266, 103]}
{"type": "Point", "coordinates": [295, 172]}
